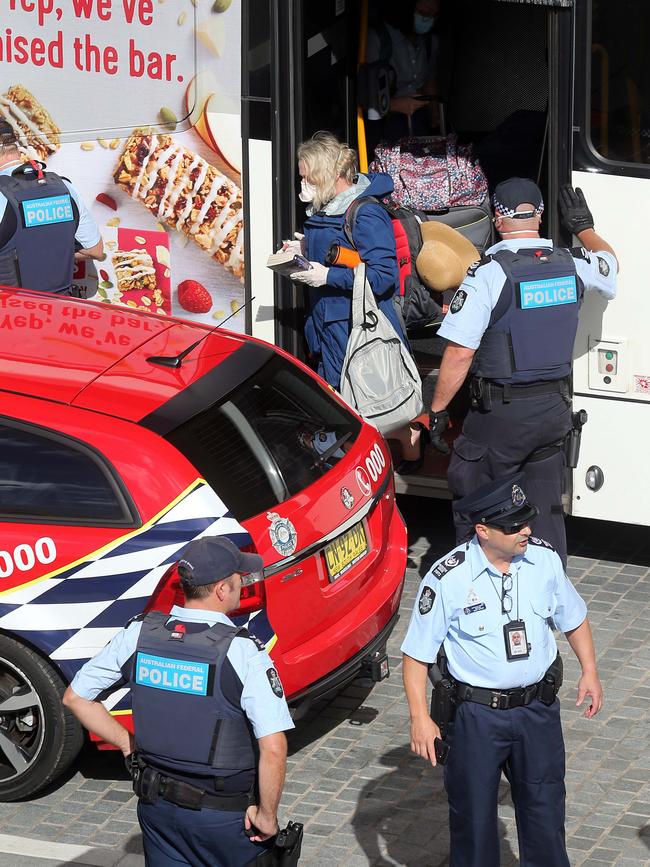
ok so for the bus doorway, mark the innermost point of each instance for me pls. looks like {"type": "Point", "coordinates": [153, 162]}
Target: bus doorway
{"type": "Point", "coordinates": [504, 79]}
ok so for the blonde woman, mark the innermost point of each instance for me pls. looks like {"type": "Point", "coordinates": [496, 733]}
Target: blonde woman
{"type": "Point", "coordinates": [330, 182]}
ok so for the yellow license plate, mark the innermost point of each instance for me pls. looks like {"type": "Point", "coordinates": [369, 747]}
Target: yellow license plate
{"type": "Point", "coordinates": [344, 552]}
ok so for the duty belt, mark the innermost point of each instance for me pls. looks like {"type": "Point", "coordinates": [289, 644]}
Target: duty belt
{"type": "Point", "coordinates": [509, 392]}
{"type": "Point", "coordinates": [498, 699]}
{"type": "Point", "coordinates": [150, 784]}
{"type": "Point", "coordinates": [505, 699]}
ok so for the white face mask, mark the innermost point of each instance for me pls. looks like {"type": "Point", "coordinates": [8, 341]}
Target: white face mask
{"type": "Point", "coordinates": [307, 191]}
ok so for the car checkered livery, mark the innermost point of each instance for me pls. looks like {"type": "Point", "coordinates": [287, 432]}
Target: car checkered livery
{"type": "Point", "coordinates": [123, 436]}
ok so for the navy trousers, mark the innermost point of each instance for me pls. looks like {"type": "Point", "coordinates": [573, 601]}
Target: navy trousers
{"type": "Point", "coordinates": [174, 836]}
{"type": "Point", "coordinates": [500, 442]}
{"type": "Point", "coordinates": [525, 743]}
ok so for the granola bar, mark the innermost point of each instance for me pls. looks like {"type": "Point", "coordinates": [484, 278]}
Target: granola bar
{"type": "Point", "coordinates": [187, 193]}
{"type": "Point", "coordinates": [38, 135]}
{"type": "Point", "coordinates": [134, 269]}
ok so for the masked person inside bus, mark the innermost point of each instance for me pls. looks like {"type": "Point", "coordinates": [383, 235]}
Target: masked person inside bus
{"type": "Point", "coordinates": [330, 183]}
{"type": "Point", "coordinates": [42, 221]}
{"type": "Point", "coordinates": [404, 36]}
{"type": "Point", "coordinates": [512, 325]}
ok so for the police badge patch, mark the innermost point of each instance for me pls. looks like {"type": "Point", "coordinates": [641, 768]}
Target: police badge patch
{"type": "Point", "coordinates": [274, 680]}
{"type": "Point", "coordinates": [457, 301]}
{"type": "Point", "coordinates": [427, 598]}
{"type": "Point", "coordinates": [603, 267]}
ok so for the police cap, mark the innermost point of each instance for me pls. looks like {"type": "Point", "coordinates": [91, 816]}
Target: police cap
{"type": "Point", "coordinates": [508, 195]}
{"type": "Point", "coordinates": [501, 503]}
{"type": "Point", "coordinates": [213, 558]}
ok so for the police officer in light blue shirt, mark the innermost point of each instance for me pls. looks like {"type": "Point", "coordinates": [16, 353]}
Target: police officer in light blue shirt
{"type": "Point", "coordinates": [512, 325]}
{"type": "Point", "coordinates": [492, 603]}
{"type": "Point", "coordinates": [209, 717]}
{"type": "Point", "coordinates": [42, 221]}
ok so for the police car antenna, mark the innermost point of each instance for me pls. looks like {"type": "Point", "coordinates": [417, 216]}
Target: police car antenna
{"type": "Point", "coordinates": [172, 360]}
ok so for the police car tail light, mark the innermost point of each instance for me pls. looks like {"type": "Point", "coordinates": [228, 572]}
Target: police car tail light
{"type": "Point", "coordinates": [253, 594]}
{"type": "Point", "coordinates": [167, 593]}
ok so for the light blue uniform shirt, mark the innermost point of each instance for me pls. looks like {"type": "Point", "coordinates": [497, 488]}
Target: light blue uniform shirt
{"type": "Point", "coordinates": [87, 232]}
{"type": "Point", "coordinates": [466, 615]}
{"type": "Point", "coordinates": [266, 712]}
{"type": "Point", "coordinates": [467, 325]}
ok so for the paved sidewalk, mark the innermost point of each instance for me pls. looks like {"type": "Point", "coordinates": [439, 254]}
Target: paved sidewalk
{"type": "Point", "coordinates": [364, 798]}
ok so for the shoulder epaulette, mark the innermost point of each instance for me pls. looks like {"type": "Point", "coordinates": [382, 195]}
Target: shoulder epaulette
{"type": "Point", "coordinates": [579, 253]}
{"type": "Point", "coordinates": [450, 562]}
{"type": "Point", "coordinates": [242, 632]}
{"type": "Point", "coordinates": [137, 619]}
{"type": "Point", "coordinates": [540, 543]}
{"type": "Point", "coordinates": [473, 268]}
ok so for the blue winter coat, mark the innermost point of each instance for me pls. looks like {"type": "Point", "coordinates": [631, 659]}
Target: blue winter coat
{"type": "Point", "coordinates": [327, 327]}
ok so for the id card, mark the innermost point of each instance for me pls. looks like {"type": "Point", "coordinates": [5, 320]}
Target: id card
{"type": "Point", "coordinates": [514, 634]}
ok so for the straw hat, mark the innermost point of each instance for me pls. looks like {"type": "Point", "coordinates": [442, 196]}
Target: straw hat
{"type": "Point", "coordinates": [444, 257]}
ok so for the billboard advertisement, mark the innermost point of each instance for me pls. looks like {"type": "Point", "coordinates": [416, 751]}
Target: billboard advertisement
{"type": "Point", "coordinates": [137, 103]}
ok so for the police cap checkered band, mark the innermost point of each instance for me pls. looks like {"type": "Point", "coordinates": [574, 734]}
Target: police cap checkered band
{"type": "Point", "coordinates": [510, 194]}
{"type": "Point", "coordinates": [212, 558]}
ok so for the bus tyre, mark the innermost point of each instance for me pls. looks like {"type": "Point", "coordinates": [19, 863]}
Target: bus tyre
{"type": "Point", "coordinates": [39, 738]}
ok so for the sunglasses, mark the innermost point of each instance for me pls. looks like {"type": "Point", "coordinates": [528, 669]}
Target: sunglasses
{"type": "Point", "coordinates": [510, 530]}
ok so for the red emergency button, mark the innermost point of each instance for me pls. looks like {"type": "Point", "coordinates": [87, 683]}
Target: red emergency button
{"type": "Point", "coordinates": [609, 368]}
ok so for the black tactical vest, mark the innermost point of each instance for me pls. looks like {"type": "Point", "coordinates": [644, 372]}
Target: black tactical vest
{"type": "Point", "coordinates": [37, 231]}
{"type": "Point", "coordinates": [183, 722]}
{"type": "Point", "coordinates": [533, 326]}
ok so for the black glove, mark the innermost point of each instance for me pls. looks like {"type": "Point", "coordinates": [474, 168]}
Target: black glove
{"type": "Point", "coordinates": [438, 424]}
{"type": "Point", "coordinates": [574, 211]}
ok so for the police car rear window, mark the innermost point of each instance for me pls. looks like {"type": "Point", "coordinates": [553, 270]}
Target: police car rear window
{"type": "Point", "coordinates": [270, 438]}
{"type": "Point", "coordinates": [47, 477]}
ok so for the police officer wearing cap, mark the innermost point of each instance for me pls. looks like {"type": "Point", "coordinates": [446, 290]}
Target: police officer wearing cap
{"type": "Point", "coordinates": [43, 219]}
{"type": "Point", "coordinates": [493, 603]}
{"type": "Point", "coordinates": [512, 325]}
{"type": "Point", "coordinates": [209, 751]}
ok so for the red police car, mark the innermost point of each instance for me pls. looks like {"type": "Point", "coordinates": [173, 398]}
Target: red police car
{"type": "Point", "coordinates": [123, 436]}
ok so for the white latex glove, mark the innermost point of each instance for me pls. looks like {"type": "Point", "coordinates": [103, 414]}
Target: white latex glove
{"type": "Point", "coordinates": [295, 246]}
{"type": "Point", "coordinates": [316, 276]}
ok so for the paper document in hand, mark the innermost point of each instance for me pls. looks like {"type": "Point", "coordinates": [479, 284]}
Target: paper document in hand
{"type": "Point", "coordinates": [287, 262]}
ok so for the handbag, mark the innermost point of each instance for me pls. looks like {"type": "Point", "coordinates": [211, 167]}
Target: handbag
{"type": "Point", "coordinates": [379, 377]}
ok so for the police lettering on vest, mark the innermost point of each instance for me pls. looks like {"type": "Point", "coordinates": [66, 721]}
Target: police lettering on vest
{"type": "Point", "coordinates": [533, 326]}
{"type": "Point", "coordinates": [39, 252]}
{"type": "Point", "coordinates": [184, 724]}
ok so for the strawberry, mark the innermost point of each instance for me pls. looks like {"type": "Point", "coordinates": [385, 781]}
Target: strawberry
{"type": "Point", "coordinates": [194, 297]}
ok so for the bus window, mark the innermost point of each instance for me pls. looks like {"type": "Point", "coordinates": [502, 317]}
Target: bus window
{"type": "Point", "coordinates": [620, 81]}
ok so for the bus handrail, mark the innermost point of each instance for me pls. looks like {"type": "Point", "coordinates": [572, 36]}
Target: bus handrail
{"type": "Point", "coordinates": [362, 146]}
{"type": "Point", "coordinates": [599, 49]}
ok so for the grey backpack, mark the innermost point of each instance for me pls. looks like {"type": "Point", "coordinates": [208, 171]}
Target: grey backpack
{"type": "Point", "coordinates": [379, 377]}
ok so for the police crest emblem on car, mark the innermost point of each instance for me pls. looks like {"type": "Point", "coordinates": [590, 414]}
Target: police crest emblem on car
{"type": "Point", "coordinates": [283, 534]}
{"type": "Point", "coordinates": [427, 598]}
{"type": "Point", "coordinates": [346, 498]}
{"type": "Point", "coordinates": [518, 496]}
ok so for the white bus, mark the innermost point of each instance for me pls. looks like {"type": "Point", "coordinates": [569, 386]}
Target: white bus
{"type": "Point", "coordinates": [554, 89]}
